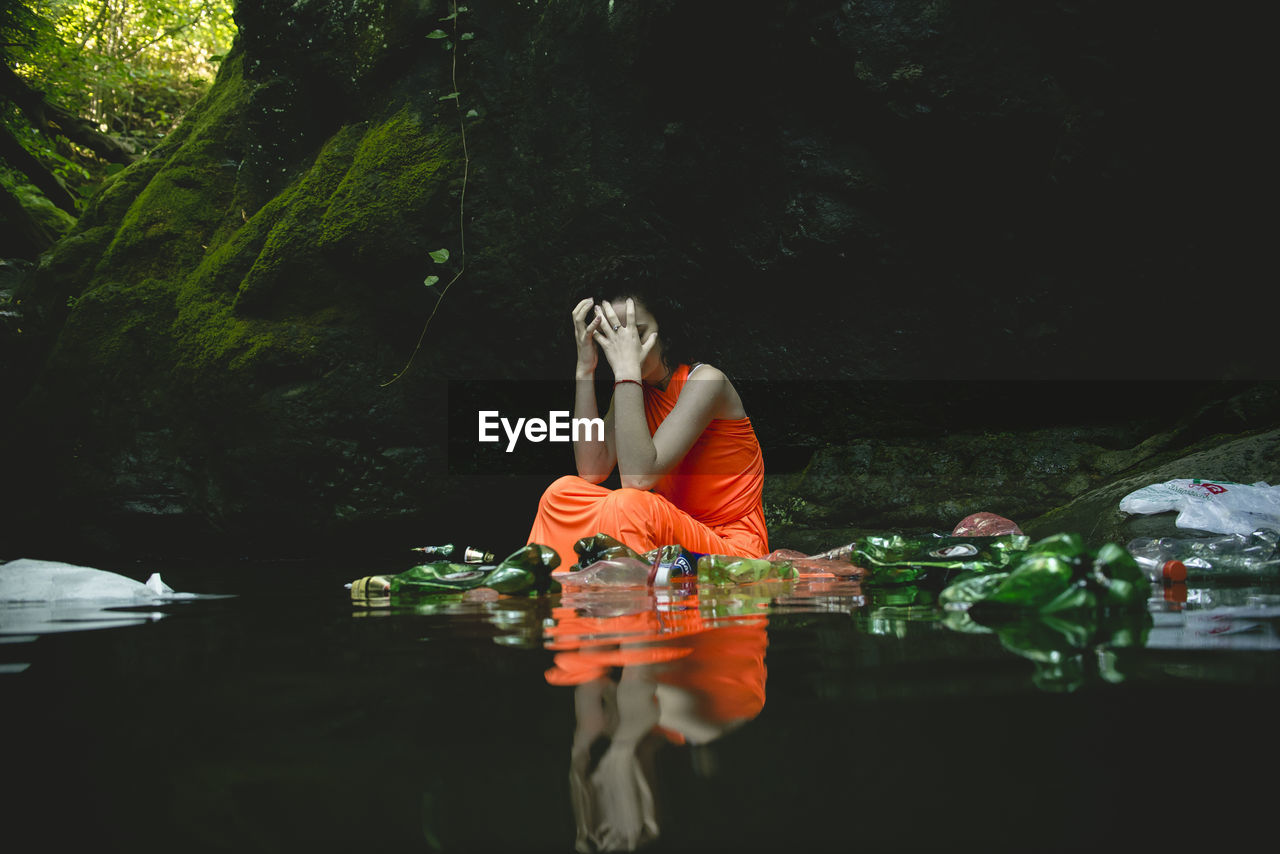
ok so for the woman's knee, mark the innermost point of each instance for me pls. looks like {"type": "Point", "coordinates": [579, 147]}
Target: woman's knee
{"type": "Point", "coordinates": [628, 499]}
{"type": "Point", "coordinates": [561, 488]}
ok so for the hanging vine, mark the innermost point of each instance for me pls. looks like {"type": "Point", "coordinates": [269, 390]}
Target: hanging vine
{"type": "Point", "coordinates": [441, 256]}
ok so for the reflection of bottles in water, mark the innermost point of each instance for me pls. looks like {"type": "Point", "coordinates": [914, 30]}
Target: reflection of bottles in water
{"type": "Point", "coordinates": [455, 554]}
{"type": "Point", "coordinates": [527, 570]}
{"type": "Point", "coordinates": [1248, 619]}
{"type": "Point", "coordinates": [898, 609]}
{"type": "Point", "coordinates": [1255, 555]}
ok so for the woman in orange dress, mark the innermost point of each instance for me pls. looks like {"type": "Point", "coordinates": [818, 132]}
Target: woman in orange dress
{"type": "Point", "coordinates": [688, 460]}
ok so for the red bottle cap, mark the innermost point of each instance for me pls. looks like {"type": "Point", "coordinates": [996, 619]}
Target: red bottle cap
{"type": "Point", "coordinates": [1174, 570]}
{"type": "Point", "coordinates": [1175, 592]}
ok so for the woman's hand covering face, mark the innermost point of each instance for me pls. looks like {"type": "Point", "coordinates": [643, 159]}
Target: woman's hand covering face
{"type": "Point", "coordinates": [620, 341]}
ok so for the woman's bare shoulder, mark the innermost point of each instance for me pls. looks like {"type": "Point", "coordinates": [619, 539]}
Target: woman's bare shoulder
{"type": "Point", "coordinates": [703, 371]}
{"type": "Point", "coordinates": [720, 386]}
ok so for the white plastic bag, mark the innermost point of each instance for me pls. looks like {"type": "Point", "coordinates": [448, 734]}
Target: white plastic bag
{"type": "Point", "coordinates": [1219, 506]}
{"type": "Point", "coordinates": [39, 597]}
{"type": "Point", "coordinates": [28, 580]}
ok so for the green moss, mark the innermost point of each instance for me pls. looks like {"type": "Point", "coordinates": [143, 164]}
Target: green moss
{"type": "Point", "coordinates": [283, 230]}
{"type": "Point", "coordinates": [399, 169]}
{"type": "Point", "coordinates": [116, 330]}
{"type": "Point", "coordinates": [170, 222]}
{"type": "Point", "coordinates": [355, 212]}
{"type": "Point", "coordinates": [189, 297]}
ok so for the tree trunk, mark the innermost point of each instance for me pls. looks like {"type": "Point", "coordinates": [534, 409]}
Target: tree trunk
{"type": "Point", "coordinates": [53, 120]}
{"type": "Point", "coordinates": [12, 152]}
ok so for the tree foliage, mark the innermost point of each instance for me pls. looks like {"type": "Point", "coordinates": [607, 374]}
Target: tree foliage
{"type": "Point", "coordinates": [87, 85]}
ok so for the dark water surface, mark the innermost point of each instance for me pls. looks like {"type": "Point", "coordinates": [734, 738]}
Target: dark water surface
{"type": "Point", "coordinates": [792, 716]}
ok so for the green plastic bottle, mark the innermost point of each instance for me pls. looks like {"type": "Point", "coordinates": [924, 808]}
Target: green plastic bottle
{"type": "Point", "coordinates": [731, 569]}
{"type": "Point", "coordinates": [896, 559]}
{"type": "Point", "coordinates": [526, 570]}
{"type": "Point", "coordinates": [601, 547]}
{"type": "Point", "coordinates": [1054, 575]}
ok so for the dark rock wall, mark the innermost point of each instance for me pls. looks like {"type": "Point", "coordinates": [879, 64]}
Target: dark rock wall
{"type": "Point", "coordinates": [868, 206]}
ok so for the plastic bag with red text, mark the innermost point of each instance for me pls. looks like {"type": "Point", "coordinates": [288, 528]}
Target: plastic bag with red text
{"type": "Point", "coordinates": [1219, 506]}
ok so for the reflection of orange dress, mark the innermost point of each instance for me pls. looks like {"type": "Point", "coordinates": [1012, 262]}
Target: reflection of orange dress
{"type": "Point", "coordinates": [711, 502]}
{"type": "Point", "coordinates": [721, 664]}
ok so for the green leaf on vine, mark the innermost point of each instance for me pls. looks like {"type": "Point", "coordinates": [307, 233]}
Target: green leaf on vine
{"type": "Point", "coordinates": [430, 280]}
{"type": "Point", "coordinates": [439, 256]}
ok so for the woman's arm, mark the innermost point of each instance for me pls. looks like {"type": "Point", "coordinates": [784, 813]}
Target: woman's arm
{"type": "Point", "coordinates": [643, 458]}
{"type": "Point", "coordinates": [594, 458]}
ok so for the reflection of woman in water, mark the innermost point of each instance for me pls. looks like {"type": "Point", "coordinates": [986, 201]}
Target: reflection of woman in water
{"type": "Point", "coordinates": [690, 466]}
{"type": "Point", "coordinates": [679, 679]}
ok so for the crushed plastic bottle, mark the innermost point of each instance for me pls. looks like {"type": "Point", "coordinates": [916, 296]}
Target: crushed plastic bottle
{"type": "Point", "coordinates": [609, 572]}
{"type": "Point", "coordinates": [896, 559]}
{"type": "Point", "coordinates": [526, 570]}
{"type": "Point", "coordinates": [1236, 556]}
{"type": "Point", "coordinates": [660, 567]}
{"type": "Point", "coordinates": [616, 565]}
{"type": "Point", "coordinates": [731, 569]}
{"type": "Point", "coordinates": [601, 547]}
{"type": "Point", "coordinates": [1054, 575]}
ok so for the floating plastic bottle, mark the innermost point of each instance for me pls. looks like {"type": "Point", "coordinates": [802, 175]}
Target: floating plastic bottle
{"type": "Point", "coordinates": [601, 547]}
{"type": "Point", "coordinates": [1054, 575]}
{"type": "Point", "coordinates": [609, 572]}
{"type": "Point", "coordinates": [619, 566]}
{"type": "Point", "coordinates": [897, 559]}
{"type": "Point", "coordinates": [731, 569]}
{"type": "Point", "coordinates": [526, 570]}
{"type": "Point", "coordinates": [1236, 556]}
{"type": "Point", "coordinates": [623, 567]}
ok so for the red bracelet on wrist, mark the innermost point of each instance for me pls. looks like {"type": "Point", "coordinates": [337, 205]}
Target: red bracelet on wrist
{"type": "Point", "coordinates": [620, 382]}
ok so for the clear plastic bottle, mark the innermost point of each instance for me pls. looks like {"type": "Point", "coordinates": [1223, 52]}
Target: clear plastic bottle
{"type": "Point", "coordinates": [609, 572]}
{"type": "Point", "coordinates": [660, 567]}
{"type": "Point", "coordinates": [1174, 559]}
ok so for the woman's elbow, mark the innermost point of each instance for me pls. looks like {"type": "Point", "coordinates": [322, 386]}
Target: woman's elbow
{"type": "Point", "coordinates": [643, 482]}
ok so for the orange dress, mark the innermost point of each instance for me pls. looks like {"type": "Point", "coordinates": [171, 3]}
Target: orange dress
{"type": "Point", "coordinates": [711, 502]}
